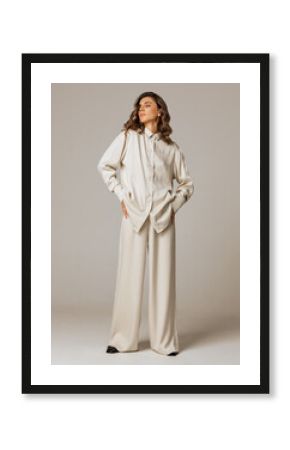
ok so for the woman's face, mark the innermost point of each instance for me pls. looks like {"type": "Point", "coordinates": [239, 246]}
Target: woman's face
{"type": "Point", "coordinates": [148, 110]}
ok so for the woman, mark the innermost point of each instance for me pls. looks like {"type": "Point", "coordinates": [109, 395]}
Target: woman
{"type": "Point", "coordinates": [149, 161]}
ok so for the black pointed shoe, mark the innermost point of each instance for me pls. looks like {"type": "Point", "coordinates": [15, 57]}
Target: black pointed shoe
{"type": "Point", "coordinates": [111, 349]}
{"type": "Point", "coordinates": [172, 353]}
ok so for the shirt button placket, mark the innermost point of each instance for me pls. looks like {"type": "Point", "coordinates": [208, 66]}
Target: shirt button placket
{"type": "Point", "coordinates": [149, 179]}
{"type": "Point", "coordinates": [152, 167]}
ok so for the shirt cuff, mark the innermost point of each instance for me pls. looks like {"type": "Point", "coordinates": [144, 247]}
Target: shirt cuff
{"type": "Point", "coordinates": [119, 191]}
{"type": "Point", "coordinates": [179, 200]}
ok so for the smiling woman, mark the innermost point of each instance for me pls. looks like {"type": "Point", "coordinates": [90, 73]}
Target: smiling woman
{"type": "Point", "coordinates": [149, 160]}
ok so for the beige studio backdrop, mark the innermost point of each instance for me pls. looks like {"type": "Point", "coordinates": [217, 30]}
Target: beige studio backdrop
{"type": "Point", "coordinates": [86, 221]}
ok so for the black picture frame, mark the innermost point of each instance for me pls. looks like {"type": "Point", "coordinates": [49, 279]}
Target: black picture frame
{"type": "Point", "coordinates": [123, 58]}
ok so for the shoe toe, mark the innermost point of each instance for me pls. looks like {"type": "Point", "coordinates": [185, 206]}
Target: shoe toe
{"type": "Point", "coordinates": [111, 349]}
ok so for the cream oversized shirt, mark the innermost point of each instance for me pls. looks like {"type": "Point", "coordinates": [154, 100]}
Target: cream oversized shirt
{"type": "Point", "coordinates": [147, 168]}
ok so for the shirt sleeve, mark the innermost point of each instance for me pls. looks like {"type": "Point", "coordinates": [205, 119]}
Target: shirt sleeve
{"type": "Point", "coordinates": [110, 162]}
{"type": "Point", "coordinates": [185, 186]}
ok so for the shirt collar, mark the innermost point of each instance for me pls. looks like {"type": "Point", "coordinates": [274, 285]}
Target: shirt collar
{"type": "Point", "coordinates": [150, 134]}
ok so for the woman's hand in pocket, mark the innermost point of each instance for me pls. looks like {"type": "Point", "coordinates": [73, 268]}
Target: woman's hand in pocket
{"type": "Point", "coordinates": [124, 209]}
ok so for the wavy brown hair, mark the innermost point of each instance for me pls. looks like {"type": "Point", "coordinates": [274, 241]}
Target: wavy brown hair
{"type": "Point", "coordinates": [163, 120]}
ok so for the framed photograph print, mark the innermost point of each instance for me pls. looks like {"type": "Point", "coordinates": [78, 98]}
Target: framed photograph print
{"type": "Point", "coordinates": [145, 223]}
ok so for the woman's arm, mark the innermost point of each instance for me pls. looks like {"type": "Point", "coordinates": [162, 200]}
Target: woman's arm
{"type": "Point", "coordinates": [110, 162]}
{"type": "Point", "coordinates": [185, 187]}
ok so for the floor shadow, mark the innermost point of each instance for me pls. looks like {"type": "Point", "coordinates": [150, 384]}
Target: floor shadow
{"type": "Point", "coordinates": [215, 331]}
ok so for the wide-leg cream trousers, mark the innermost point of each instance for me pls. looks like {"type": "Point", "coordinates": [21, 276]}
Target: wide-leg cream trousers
{"type": "Point", "coordinates": [126, 319]}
